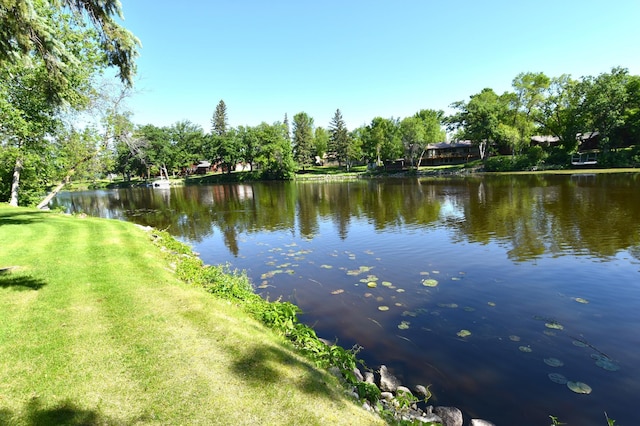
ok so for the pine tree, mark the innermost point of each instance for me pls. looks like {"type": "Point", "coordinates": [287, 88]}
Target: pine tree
{"type": "Point", "coordinates": [219, 121]}
{"type": "Point", "coordinates": [303, 139]}
{"type": "Point", "coordinates": [339, 137]}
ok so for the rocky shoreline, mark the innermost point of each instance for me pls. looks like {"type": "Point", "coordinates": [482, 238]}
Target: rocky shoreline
{"type": "Point", "coordinates": [401, 403]}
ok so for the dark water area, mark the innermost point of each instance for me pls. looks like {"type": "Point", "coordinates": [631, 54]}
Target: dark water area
{"type": "Point", "coordinates": [543, 271]}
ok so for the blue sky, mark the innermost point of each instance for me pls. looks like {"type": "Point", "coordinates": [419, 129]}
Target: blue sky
{"type": "Point", "coordinates": [368, 58]}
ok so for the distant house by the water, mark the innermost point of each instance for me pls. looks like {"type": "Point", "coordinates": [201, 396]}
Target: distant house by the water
{"type": "Point", "coordinates": [444, 153]}
{"type": "Point", "coordinates": [203, 167]}
{"type": "Point", "coordinates": [586, 141]}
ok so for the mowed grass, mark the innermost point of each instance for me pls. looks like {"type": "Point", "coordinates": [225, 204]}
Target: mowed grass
{"type": "Point", "coordinates": [96, 329]}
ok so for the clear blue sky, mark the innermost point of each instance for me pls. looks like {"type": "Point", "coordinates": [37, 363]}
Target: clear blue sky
{"type": "Point", "coordinates": [368, 58]}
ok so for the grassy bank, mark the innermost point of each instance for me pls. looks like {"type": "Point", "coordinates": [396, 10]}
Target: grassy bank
{"type": "Point", "coordinates": [96, 328]}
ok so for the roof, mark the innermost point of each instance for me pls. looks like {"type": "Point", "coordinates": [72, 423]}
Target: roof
{"type": "Point", "coordinates": [204, 164]}
{"type": "Point", "coordinates": [445, 145]}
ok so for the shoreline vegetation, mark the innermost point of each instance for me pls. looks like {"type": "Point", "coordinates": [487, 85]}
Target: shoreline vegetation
{"type": "Point", "coordinates": [335, 173]}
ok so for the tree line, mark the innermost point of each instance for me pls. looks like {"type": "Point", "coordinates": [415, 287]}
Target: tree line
{"type": "Point", "coordinates": [53, 54]}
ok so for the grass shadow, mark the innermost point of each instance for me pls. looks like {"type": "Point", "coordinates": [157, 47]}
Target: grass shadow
{"type": "Point", "coordinates": [65, 413]}
{"type": "Point", "coordinates": [258, 367]}
{"type": "Point", "coordinates": [12, 217]}
{"type": "Point", "coordinates": [19, 282]}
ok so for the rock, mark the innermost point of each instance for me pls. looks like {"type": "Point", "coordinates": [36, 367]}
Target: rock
{"type": "Point", "coordinates": [402, 389]}
{"type": "Point", "coordinates": [421, 391]}
{"type": "Point", "coordinates": [388, 382]}
{"type": "Point", "coordinates": [369, 377]}
{"type": "Point", "coordinates": [336, 372]}
{"type": "Point", "coordinates": [387, 396]}
{"type": "Point", "coordinates": [429, 418]}
{"type": "Point", "coordinates": [479, 422]}
{"type": "Point", "coordinates": [358, 374]}
{"type": "Point", "coordinates": [451, 416]}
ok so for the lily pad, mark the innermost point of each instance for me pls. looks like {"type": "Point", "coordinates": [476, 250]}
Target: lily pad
{"type": "Point", "coordinates": [580, 300]}
{"type": "Point", "coordinates": [553, 362]}
{"type": "Point", "coordinates": [400, 290]}
{"type": "Point", "coordinates": [558, 378]}
{"type": "Point", "coordinates": [404, 325]}
{"type": "Point", "coordinates": [491, 304]}
{"type": "Point", "coordinates": [468, 309]}
{"type": "Point", "coordinates": [430, 282]}
{"type": "Point", "coordinates": [554, 325]}
{"type": "Point", "coordinates": [386, 284]}
{"type": "Point", "coordinates": [579, 387]}
{"type": "Point", "coordinates": [607, 364]}
{"type": "Point", "coordinates": [448, 305]}
{"type": "Point", "coordinates": [372, 284]}
{"type": "Point", "coordinates": [463, 333]}
{"type": "Point", "coordinates": [339, 291]}
{"type": "Point", "coordinates": [514, 338]}
{"type": "Point", "coordinates": [326, 266]}
{"type": "Point", "coordinates": [383, 308]}
{"type": "Point", "coordinates": [526, 349]}
{"type": "Point", "coordinates": [579, 344]}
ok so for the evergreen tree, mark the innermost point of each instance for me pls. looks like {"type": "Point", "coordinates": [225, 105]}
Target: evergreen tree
{"type": "Point", "coordinates": [303, 139]}
{"type": "Point", "coordinates": [339, 137]}
{"type": "Point", "coordinates": [219, 122]}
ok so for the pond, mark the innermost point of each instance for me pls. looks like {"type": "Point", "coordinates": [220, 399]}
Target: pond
{"type": "Point", "coordinates": [495, 290]}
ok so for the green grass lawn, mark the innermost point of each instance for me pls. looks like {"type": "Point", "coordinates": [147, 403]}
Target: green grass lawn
{"type": "Point", "coordinates": [95, 328]}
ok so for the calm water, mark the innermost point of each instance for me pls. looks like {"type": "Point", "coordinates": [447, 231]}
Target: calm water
{"type": "Point", "coordinates": [515, 258]}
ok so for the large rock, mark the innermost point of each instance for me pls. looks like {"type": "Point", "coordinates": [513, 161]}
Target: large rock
{"type": "Point", "coordinates": [480, 422]}
{"type": "Point", "coordinates": [388, 382]}
{"type": "Point", "coordinates": [369, 377]}
{"type": "Point", "coordinates": [451, 416]}
{"type": "Point", "coordinates": [421, 391]}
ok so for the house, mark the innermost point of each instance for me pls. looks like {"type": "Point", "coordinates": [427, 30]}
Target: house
{"type": "Point", "coordinates": [443, 153]}
{"type": "Point", "coordinates": [203, 167]}
{"type": "Point", "coordinates": [586, 141]}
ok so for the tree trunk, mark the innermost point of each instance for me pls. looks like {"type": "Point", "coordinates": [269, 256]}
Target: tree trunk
{"type": "Point", "coordinates": [44, 203]}
{"type": "Point", "coordinates": [15, 184]}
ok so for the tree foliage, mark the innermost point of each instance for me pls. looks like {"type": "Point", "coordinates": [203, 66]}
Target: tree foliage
{"type": "Point", "coordinates": [303, 151]}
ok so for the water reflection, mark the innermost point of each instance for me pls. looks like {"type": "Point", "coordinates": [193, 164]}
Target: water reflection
{"type": "Point", "coordinates": [531, 215]}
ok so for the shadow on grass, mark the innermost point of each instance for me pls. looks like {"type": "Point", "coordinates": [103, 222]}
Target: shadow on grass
{"type": "Point", "coordinates": [12, 217]}
{"type": "Point", "coordinates": [19, 282]}
{"type": "Point", "coordinates": [259, 366]}
{"type": "Point", "coordinates": [65, 413]}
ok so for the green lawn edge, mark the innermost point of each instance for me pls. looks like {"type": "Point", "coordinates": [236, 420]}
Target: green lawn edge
{"type": "Point", "coordinates": [97, 328]}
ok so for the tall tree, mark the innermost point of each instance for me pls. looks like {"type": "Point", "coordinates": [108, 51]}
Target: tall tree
{"type": "Point", "coordinates": [478, 119]}
{"type": "Point", "coordinates": [249, 144]}
{"type": "Point", "coordinates": [562, 112]}
{"type": "Point", "coordinates": [338, 137]}
{"type": "Point", "coordinates": [303, 139]}
{"type": "Point", "coordinates": [219, 122]}
{"type": "Point", "coordinates": [276, 158]}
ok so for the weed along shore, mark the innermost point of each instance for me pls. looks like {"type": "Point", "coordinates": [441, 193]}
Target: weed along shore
{"type": "Point", "coordinates": [106, 322]}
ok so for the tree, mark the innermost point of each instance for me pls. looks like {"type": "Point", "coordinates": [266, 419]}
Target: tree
{"type": "Point", "coordinates": [303, 139]}
{"type": "Point", "coordinates": [478, 119]}
{"type": "Point", "coordinates": [412, 131]}
{"type": "Point", "coordinates": [48, 56]}
{"type": "Point", "coordinates": [30, 31]}
{"type": "Point", "coordinates": [529, 94]}
{"type": "Point", "coordinates": [219, 122]}
{"type": "Point", "coordinates": [276, 158]}
{"type": "Point", "coordinates": [562, 112]}
{"type": "Point", "coordinates": [189, 143]}
{"type": "Point", "coordinates": [320, 141]}
{"type": "Point", "coordinates": [338, 137]}
{"type": "Point", "coordinates": [381, 140]}
{"type": "Point", "coordinates": [606, 102]}
{"type": "Point", "coordinates": [248, 144]}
